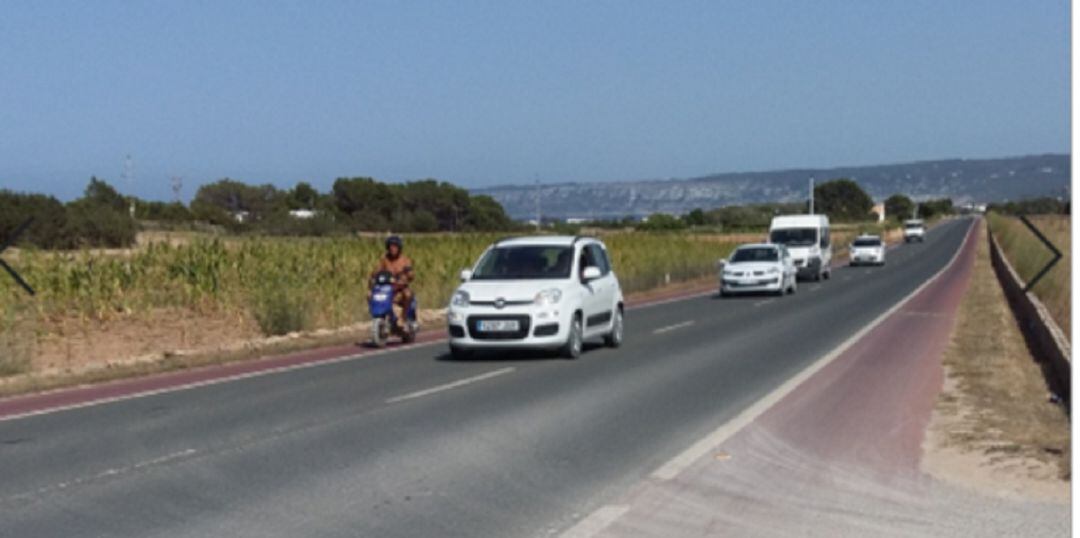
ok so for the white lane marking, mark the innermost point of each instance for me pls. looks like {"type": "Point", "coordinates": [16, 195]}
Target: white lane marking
{"type": "Point", "coordinates": [451, 385]}
{"type": "Point", "coordinates": [271, 371]}
{"type": "Point", "coordinates": [815, 288]}
{"type": "Point", "coordinates": [765, 302]}
{"type": "Point", "coordinates": [209, 382]}
{"type": "Point", "coordinates": [672, 300]}
{"type": "Point", "coordinates": [681, 462]}
{"type": "Point", "coordinates": [669, 328]}
{"type": "Point", "coordinates": [596, 522]}
{"type": "Point", "coordinates": [116, 471]}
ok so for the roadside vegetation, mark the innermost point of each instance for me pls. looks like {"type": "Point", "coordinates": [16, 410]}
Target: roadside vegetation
{"type": "Point", "coordinates": [1028, 256]}
{"type": "Point", "coordinates": [994, 423]}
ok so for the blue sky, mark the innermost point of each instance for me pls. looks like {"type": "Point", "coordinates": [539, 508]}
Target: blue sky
{"type": "Point", "coordinates": [483, 93]}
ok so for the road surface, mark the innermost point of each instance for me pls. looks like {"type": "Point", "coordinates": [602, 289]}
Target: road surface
{"type": "Point", "coordinates": [410, 443]}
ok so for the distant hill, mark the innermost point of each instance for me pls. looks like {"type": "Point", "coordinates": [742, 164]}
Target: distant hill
{"type": "Point", "coordinates": [963, 180]}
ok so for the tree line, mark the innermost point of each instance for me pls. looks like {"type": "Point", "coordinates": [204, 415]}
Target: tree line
{"type": "Point", "coordinates": [842, 200]}
{"type": "Point", "coordinates": [103, 217]}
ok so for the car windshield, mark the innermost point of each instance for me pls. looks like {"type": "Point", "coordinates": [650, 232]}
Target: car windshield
{"type": "Point", "coordinates": [867, 242]}
{"type": "Point", "coordinates": [794, 237]}
{"type": "Point", "coordinates": [525, 262]}
{"type": "Point", "coordinates": [754, 254]}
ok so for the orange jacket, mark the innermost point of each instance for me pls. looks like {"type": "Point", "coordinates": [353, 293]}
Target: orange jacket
{"type": "Point", "coordinates": [400, 267]}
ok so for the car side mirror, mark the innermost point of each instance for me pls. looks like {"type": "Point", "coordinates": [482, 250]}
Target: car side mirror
{"type": "Point", "coordinates": [721, 263]}
{"type": "Point", "coordinates": [590, 273]}
{"type": "Point", "coordinates": [466, 275]}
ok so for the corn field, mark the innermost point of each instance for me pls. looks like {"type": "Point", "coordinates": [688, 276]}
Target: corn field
{"type": "Point", "coordinates": [297, 283]}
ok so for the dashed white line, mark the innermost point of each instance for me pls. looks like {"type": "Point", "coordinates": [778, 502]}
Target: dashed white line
{"type": "Point", "coordinates": [451, 385]}
{"type": "Point", "coordinates": [116, 471]}
{"type": "Point", "coordinates": [669, 328]}
{"type": "Point", "coordinates": [765, 302]}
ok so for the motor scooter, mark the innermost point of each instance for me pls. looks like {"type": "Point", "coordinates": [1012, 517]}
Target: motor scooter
{"type": "Point", "coordinates": [384, 322]}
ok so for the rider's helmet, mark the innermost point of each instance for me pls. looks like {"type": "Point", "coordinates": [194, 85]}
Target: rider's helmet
{"type": "Point", "coordinates": [395, 240]}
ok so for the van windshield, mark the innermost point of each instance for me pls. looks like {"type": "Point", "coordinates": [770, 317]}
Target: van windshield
{"type": "Point", "coordinates": [525, 262]}
{"type": "Point", "coordinates": [794, 237]}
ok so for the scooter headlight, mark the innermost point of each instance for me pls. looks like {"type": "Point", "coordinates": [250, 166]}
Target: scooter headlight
{"type": "Point", "coordinates": [460, 299]}
{"type": "Point", "coordinates": [548, 297]}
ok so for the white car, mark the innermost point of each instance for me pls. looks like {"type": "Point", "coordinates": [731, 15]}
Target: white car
{"type": "Point", "coordinates": [914, 230]}
{"type": "Point", "coordinates": [761, 267]}
{"type": "Point", "coordinates": [545, 292]}
{"type": "Point", "coordinates": [867, 249]}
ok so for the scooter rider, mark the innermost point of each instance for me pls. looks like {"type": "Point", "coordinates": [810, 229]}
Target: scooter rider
{"type": "Point", "coordinates": [399, 265]}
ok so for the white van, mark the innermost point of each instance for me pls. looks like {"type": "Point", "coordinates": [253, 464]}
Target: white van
{"type": "Point", "coordinates": [807, 238]}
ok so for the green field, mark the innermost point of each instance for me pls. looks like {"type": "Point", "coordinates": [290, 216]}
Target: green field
{"type": "Point", "coordinates": [1028, 255]}
{"type": "Point", "coordinates": [295, 284]}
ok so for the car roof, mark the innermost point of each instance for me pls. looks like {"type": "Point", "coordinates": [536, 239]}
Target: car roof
{"type": "Point", "coordinates": [545, 240]}
{"type": "Point", "coordinates": [758, 245]}
{"type": "Point", "coordinates": [913, 221]}
{"type": "Point", "coordinates": [868, 236]}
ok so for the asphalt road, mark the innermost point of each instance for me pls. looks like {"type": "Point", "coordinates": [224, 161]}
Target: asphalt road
{"type": "Point", "coordinates": [413, 444]}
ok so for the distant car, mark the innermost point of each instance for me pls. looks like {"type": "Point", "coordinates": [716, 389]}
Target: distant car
{"type": "Point", "coordinates": [546, 292]}
{"type": "Point", "coordinates": [761, 267]}
{"type": "Point", "coordinates": [914, 230]}
{"type": "Point", "coordinates": [807, 239]}
{"type": "Point", "coordinates": [867, 249]}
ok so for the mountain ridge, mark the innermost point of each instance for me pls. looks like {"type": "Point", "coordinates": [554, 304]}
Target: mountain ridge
{"type": "Point", "coordinates": [963, 180]}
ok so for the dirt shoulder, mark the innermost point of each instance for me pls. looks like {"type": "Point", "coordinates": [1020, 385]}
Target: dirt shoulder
{"type": "Point", "coordinates": [994, 428]}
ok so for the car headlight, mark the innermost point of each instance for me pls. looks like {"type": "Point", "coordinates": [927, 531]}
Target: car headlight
{"type": "Point", "coordinates": [460, 298]}
{"type": "Point", "coordinates": [548, 297]}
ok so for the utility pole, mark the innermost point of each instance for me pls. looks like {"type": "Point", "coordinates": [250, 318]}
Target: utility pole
{"type": "Point", "coordinates": [128, 177]}
{"type": "Point", "coordinates": [539, 222]}
{"type": "Point", "coordinates": [811, 195]}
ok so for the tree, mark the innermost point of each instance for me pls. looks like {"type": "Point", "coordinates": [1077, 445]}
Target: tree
{"type": "Point", "coordinates": [661, 222]}
{"type": "Point", "coordinates": [696, 218]}
{"type": "Point", "coordinates": [898, 207]}
{"type": "Point", "coordinates": [303, 196]}
{"type": "Point", "coordinates": [842, 200]}
{"type": "Point", "coordinates": [486, 214]}
{"type": "Point", "coordinates": [101, 193]}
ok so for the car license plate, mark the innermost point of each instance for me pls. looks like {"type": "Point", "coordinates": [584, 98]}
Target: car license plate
{"type": "Point", "coordinates": [499, 325]}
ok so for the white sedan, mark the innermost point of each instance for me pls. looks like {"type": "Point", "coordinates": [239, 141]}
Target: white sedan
{"type": "Point", "coordinates": [867, 249]}
{"type": "Point", "coordinates": [759, 267]}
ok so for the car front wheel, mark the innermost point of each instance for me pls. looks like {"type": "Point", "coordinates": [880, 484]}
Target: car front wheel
{"type": "Point", "coordinates": [575, 340]}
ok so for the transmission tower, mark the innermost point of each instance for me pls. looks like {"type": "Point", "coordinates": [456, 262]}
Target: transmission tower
{"type": "Point", "coordinates": [176, 183]}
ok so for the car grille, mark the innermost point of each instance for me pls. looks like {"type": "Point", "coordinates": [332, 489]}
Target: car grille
{"type": "Point", "coordinates": [504, 303]}
{"type": "Point", "coordinates": [522, 332]}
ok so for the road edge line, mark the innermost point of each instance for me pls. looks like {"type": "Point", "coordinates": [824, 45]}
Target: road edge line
{"type": "Point", "coordinates": [685, 459]}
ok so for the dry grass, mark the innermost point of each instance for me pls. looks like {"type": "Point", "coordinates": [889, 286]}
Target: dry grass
{"type": "Point", "coordinates": [1028, 256]}
{"type": "Point", "coordinates": [995, 407]}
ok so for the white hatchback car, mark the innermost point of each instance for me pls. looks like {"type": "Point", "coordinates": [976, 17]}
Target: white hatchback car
{"type": "Point", "coordinates": [545, 292]}
{"type": "Point", "coordinates": [867, 249]}
{"type": "Point", "coordinates": [763, 267]}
